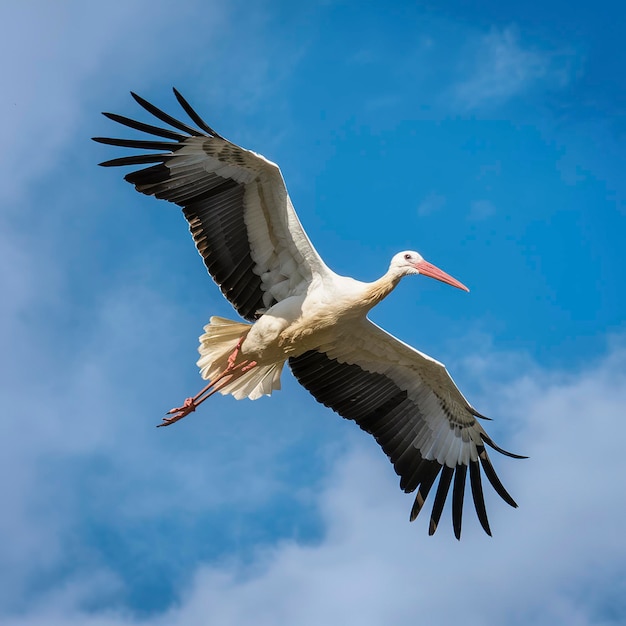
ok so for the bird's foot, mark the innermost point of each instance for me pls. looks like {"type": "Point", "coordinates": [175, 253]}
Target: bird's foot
{"type": "Point", "coordinates": [231, 373]}
{"type": "Point", "coordinates": [189, 406]}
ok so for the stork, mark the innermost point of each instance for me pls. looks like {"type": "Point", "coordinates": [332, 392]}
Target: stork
{"type": "Point", "coordinates": [297, 310]}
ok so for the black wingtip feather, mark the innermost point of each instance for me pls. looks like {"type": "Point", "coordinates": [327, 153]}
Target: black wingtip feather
{"type": "Point", "coordinates": [138, 159]}
{"type": "Point", "coordinates": [491, 444]}
{"type": "Point", "coordinates": [145, 128]}
{"type": "Point", "coordinates": [490, 473]}
{"type": "Point", "coordinates": [194, 115]}
{"type": "Point", "coordinates": [457, 498]}
{"type": "Point", "coordinates": [475, 413]}
{"type": "Point", "coordinates": [165, 117]}
{"type": "Point", "coordinates": [138, 143]}
{"type": "Point", "coordinates": [427, 480]}
{"type": "Point", "coordinates": [440, 498]}
{"type": "Point", "coordinates": [478, 497]}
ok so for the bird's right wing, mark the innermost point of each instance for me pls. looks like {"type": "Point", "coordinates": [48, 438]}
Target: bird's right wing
{"type": "Point", "coordinates": [239, 212]}
{"type": "Point", "coordinates": [412, 407]}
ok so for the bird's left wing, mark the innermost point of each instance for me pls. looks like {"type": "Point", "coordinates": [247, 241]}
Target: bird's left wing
{"type": "Point", "coordinates": [412, 407]}
{"type": "Point", "coordinates": [236, 203]}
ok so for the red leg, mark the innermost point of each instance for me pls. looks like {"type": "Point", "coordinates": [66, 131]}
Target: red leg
{"type": "Point", "coordinates": [235, 353]}
{"type": "Point", "coordinates": [232, 372]}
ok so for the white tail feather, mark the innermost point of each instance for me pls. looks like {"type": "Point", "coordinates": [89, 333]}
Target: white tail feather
{"type": "Point", "coordinates": [217, 344]}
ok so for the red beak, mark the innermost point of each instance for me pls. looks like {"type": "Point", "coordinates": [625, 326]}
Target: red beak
{"type": "Point", "coordinates": [428, 269]}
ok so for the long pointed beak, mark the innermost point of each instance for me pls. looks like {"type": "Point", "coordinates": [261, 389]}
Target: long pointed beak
{"type": "Point", "coordinates": [428, 269]}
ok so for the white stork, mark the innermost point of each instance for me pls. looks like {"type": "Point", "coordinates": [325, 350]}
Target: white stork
{"type": "Point", "coordinates": [253, 245]}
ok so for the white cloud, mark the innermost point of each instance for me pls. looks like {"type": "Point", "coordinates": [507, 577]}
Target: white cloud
{"type": "Point", "coordinates": [500, 67]}
{"type": "Point", "coordinates": [375, 568]}
{"type": "Point", "coordinates": [43, 103]}
{"type": "Point", "coordinates": [556, 559]}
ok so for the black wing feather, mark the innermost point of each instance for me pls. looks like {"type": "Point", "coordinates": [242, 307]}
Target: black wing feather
{"type": "Point", "coordinates": [490, 473]}
{"type": "Point", "coordinates": [478, 497]}
{"type": "Point", "coordinates": [428, 476]}
{"type": "Point", "coordinates": [213, 205]}
{"type": "Point", "coordinates": [458, 491]}
{"type": "Point", "coordinates": [381, 408]}
{"type": "Point", "coordinates": [138, 143]}
{"type": "Point", "coordinates": [194, 116]}
{"type": "Point", "coordinates": [165, 117]}
{"type": "Point", "coordinates": [440, 498]}
{"type": "Point", "coordinates": [145, 128]}
{"type": "Point", "coordinates": [137, 159]}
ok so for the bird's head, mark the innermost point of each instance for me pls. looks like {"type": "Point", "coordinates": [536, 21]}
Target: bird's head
{"type": "Point", "coordinates": [411, 262]}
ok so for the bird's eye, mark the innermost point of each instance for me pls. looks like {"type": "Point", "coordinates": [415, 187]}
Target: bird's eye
{"type": "Point", "coordinates": [407, 256]}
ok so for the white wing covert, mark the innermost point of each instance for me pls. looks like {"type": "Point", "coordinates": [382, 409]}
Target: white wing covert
{"type": "Point", "coordinates": [412, 407]}
{"type": "Point", "coordinates": [239, 212]}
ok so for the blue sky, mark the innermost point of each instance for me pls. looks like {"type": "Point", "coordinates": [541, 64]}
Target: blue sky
{"type": "Point", "coordinates": [489, 137]}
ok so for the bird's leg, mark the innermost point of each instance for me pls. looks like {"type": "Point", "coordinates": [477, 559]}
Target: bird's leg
{"type": "Point", "coordinates": [232, 372]}
{"type": "Point", "coordinates": [189, 406]}
{"type": "Point", "coordinates": [235, 353]}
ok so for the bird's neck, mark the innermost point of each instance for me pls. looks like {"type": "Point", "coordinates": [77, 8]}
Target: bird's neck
{"type": "Point", "coordinates": [378, 290]}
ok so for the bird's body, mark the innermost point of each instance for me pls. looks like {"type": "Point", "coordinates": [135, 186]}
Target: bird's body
{"type": "Point", "coordinates": [301, 312]}
{"type": "Point", "coordinates": [322, 315]}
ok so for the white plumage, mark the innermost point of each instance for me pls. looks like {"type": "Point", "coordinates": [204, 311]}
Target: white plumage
{"type": "Point", "coordinates": [300, 311]}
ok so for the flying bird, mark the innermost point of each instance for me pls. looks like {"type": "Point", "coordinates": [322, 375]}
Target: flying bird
{"type": "Point", "coordinates": [298, 310]}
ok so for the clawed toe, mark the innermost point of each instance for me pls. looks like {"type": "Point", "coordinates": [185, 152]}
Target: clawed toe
{"type": "Point", "coordinates": [178, 413]}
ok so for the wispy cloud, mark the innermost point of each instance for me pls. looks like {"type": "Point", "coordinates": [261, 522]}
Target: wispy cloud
{"type": "Point", "coordinates": [500, 67]}
{"type": "Point", "coordinates": [44, 104]}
